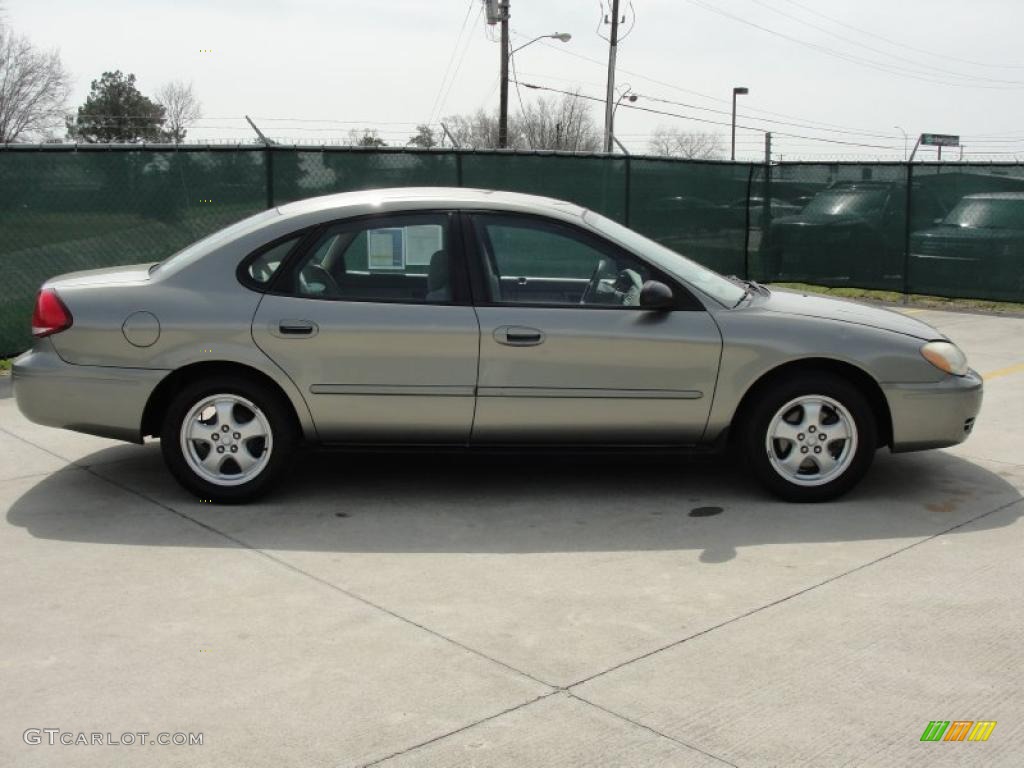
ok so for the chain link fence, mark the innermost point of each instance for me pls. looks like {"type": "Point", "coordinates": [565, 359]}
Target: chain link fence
{"type": "Point", "coordinates": [954, 230]}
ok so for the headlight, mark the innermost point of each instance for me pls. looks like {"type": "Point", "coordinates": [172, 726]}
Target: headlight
{"type": "Point", "coordinates": [946, 356]}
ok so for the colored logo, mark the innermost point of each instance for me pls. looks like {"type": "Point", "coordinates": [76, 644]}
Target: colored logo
{"type": "Point", "coordinates": [958, 730]}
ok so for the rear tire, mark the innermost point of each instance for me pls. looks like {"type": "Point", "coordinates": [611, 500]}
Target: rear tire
{"type": "Point", "coordinates": [228, 439]}
{"type": "Point", "coordinates": [809, 438]}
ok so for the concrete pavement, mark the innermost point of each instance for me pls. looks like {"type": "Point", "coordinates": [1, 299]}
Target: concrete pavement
{"type": "Point", "coordinates": [465, 610]}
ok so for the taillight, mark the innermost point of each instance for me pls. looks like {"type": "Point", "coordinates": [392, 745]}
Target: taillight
{"type": "Point", "coordinates": [50, 315]}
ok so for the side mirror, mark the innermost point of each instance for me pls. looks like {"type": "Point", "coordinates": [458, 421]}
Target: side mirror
{"type": "Point", "coordinates": [656, 295]}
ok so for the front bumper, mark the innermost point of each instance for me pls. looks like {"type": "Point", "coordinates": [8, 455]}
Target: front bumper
{"type": "Point", "coordinates": [97, 400]}
{"type": "Point", "coordinates": [935, 415]}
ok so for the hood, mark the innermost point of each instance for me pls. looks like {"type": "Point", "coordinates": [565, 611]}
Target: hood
{"type": "Point", "coordinates": [955, 235]}
{"type": "Point", "coordinates": [809, 305]}
{"type": "Point", "coordinates": [818, 220]}
{"type": "Point", "coordinates": [134, 273]}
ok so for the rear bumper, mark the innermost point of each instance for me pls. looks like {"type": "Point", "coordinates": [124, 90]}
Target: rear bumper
{"type": "Point", "coordinates": [933, 415]}
{"type": "Point", "coordinates": [97, 400]}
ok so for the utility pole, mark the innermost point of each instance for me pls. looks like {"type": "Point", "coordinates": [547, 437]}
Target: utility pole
{"type": "Point", "coordinates": [737, 91]}
{"type": "Point", "coordinates": [766, 198]}
{"type": "Point", "coordinates": [503, 108]}
{"type": "Point", "coordinates": [609, 102]}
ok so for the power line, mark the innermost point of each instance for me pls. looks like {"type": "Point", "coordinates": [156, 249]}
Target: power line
{"type": "Point", "coordinates": [813, 127]}
{"type": "Point", "coordinates": [887, 68]}
{"type": "Point", "coordinates": [711, 122]}
{"type": "Point", "coordinates": [692, 92]}
{"type": "Point", "coordinates": [458, 67]}
{"type": "Point", "coordinates": [451, 59]}
{"type": "Point", "coordinates": [873, 49]}
{"type": "Point", "coordinates": [945, 56]}
{"type": "Point", "coordinates": [329, 120]}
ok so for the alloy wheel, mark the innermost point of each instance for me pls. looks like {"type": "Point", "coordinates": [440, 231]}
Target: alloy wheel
{"type": "Point", "coordinates": [811, 440]}
{"type": "Point", "coordinates": [226, 439]}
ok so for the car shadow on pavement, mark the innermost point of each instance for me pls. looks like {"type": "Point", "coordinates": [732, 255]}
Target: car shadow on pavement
{"type": "Point", "coordinates": [506, 503]}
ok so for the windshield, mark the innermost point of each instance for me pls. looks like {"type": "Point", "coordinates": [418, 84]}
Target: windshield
{"type": "Point", "coordinates": [199, 248]}
{"type": "Point", "coordinates": [846, 202]}
{"type": "Point", "coordinates": [987, 214]}
{"type": "Point", "coordinates": [713, 284]}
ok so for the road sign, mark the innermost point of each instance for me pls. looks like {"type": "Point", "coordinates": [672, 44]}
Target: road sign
{"type": "Point", "coordinates": [939, 140]}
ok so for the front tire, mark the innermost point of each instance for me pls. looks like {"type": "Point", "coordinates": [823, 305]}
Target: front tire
{"type": "Point", "coordinates": [227, 439]}
{"type": "Point", "coordinates": [810, 438]}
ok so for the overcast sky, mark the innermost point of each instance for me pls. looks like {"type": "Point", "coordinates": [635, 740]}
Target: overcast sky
{"type": "Point", "coordinates": [941, 66]}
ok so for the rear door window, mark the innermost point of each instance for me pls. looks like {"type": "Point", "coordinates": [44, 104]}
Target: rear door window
{"type": "Point", "coordinates": [402, 258]}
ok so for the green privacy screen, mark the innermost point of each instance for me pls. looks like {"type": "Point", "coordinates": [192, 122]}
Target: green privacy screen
{"type": "Point", "coordinates": [67, 211]}
{"type": "Point", "coordinates": [953, 230]}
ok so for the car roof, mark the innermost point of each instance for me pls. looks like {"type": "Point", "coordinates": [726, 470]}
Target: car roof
{"type": "Point", "coordinates": [862, 184]}
{"type": "Point", "coordinates": [995, 196]}
{"type": "Point", "coordinates": [404, 198]}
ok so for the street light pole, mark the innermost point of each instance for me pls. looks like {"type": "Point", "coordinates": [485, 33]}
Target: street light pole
{"type": "Point", "coordinates": [609, 101]}
{"type": "Point", "coordinates": [738, 91]}
{"type": "Point", "coordinates": [905, 137]}
{"type": "Point", "coordinates": [627, 93]}
{"type": "Point", "coordinates": [506, 57]}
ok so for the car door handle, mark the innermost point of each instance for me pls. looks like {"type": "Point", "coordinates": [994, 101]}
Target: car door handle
{"type": "Point", "coordinates": [518, 336]}
{"type": "Point", "coordinates": [297, 328]}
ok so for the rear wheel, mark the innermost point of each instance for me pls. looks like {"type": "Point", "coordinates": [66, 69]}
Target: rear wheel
{"type": "Point", "coordinates": [227, 439]}
{"type": "Point", "coordinates": [810, 438]}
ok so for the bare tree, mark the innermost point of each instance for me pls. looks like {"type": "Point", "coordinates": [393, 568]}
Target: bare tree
{"type": "Point", "coordinates": [366, 138]}
{"type": "Point", "coordinates": [181, 109]}
{"type": "Point", "coordinates": [34, 88]}
{"type": "Point", "coordinates": [693, 145]}
{"type": "Point", "coordinates": [477, 131]}
{"type": "Point", "coordinates": [566, 124]}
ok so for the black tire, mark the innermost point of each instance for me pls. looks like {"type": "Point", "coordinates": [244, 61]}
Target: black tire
{"type": "Point", "coordinates": [273, 407]}
{"type": "Point", "coordinates": [758, 417]}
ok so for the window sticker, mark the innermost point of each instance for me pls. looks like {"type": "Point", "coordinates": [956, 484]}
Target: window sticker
{"type": "Point", "coordinates": [421, 242]}
{"type": "Point", "coordinates": [385, 249]}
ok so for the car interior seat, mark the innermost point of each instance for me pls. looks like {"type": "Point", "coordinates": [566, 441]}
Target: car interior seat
{"type": "Point", "coordinates": [438, 283]}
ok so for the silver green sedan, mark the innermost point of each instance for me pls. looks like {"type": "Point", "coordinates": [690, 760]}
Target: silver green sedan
{"type": "Point", "coordinates": [457, 317]}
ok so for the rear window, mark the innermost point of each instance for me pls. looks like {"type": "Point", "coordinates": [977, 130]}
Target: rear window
{"type": "Point", "coordinates": [987, 214]}
{"type": "Point", "coordinates": [847, 202]}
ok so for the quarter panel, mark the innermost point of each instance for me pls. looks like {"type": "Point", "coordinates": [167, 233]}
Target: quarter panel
{"type": "Point", "coordinates": [202, 323]}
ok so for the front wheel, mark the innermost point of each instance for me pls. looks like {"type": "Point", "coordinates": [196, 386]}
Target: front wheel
{"type": "Point", "coordinates": [810, 438]}
{"type": "Point", "coordinates": [227, 439]}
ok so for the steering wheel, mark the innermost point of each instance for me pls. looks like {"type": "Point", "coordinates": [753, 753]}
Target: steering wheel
{"type": "Point", "coordinates": [628, 286]}
{"type": "Point", "coordinates": [595, 279]}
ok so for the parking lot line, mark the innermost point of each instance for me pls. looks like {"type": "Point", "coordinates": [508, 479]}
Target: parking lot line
{"type": "Point", "coordinates": [1000, 372]}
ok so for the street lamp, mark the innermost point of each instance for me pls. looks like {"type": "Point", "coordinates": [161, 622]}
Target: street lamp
{"type": "Point", "coordinates": [738, 91]}
{"type": "Point", "coordinates": [627, 94]}
{"type": "Point", "coordinates": [563, 37]}
{"type": "Point", "coordinates": [506, 56]}
{"type": "Point", "coordinates": [905, 136]}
